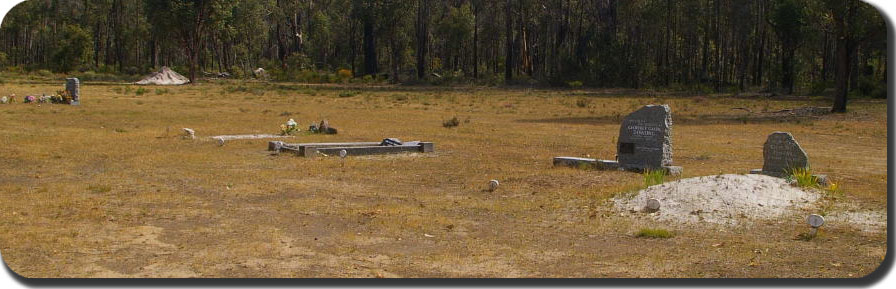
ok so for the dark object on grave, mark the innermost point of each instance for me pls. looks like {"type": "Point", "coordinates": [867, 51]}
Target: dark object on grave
{"type": "Point", "coordinates": [391, 142]}
{"type": "Point", "coordinates": [324, 128]}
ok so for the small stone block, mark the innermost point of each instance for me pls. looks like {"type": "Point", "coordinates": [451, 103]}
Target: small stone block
{"type": "Point", "coordinates": [275, 145]}
{"type": "Point", "coordinates": [427, 147]}
{"type": "Point", "coordinates": [822, 179]}
{"type": "Point", "coordinates": [673, 170]}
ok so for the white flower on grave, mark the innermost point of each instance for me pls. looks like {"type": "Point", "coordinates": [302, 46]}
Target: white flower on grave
{"type": "Point", "coordinates": [291, 123]}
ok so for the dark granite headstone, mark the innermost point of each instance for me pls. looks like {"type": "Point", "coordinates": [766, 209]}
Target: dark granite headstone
{"type": "Point", "coordinates": [645, 139]}
{"type": "Point", "coordinates": [73, 86]}
{"type": "Point", "coordinates": [781, 154]}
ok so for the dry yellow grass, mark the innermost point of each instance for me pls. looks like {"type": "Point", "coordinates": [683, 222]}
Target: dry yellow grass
{"type": "Point", "coordinates": [108, 188]}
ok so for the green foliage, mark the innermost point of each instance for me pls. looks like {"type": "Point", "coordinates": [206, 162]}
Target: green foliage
{"type": "Point", "coordinates": [653, 177]}
{"type": "Point", "coordinates": [140, 91]}
{"type": "Point", "coordinates": [313, 44]}
{"type": "Point", "coordinates": [348, 93]}
{"type": "Point", "coordinates": [72, 48]}
{"type": "Point", "coordinates": [654, 233]}
{"type": "Point", "coordinates": [44, 73]}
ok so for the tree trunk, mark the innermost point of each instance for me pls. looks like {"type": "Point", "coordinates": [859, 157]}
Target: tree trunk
{"type": "Point", "coordinates": [475, 40]}
{"type": "Point", "coordinates": [508, 57]}
{"type": "Point", "coordinates": [370, 57]}
{"type": "Point", "coordinates": [844, 50]}
{"type": "Point", "coordinates": [422, 37]}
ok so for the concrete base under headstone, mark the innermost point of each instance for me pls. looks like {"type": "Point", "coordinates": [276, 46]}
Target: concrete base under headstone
{"type": "Point", "coordinates": [576, 162]}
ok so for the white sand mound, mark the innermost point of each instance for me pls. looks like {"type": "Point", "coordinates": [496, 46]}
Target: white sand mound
{"type": "Point", "coordinates": [723, 199]}
{"type": "Point", "coordinates": [164, 76]}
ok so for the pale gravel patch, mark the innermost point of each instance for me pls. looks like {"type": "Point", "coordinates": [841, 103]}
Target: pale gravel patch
{"type": "Point", "coordinates": [724, 199]}
{"type": "Point", "coordinates": [866, 221]}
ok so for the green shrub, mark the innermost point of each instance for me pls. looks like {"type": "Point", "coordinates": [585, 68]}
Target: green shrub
{"type": "Point", "coordinates": [654, 233]}
{"type": "Point", "coordinates": [140, 91]}
{"type": "Point", "coordinates": [575, 84]}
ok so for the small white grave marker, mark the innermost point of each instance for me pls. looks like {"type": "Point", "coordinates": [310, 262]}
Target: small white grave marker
{"type": "Point", "coordinates": [653, 204]}
{"type": "Point", "coordinates": [493, 185]}
{"type": "Point", "coordinates": [815, 221]}
{"type": "Point", "coordinates": [342, 154]}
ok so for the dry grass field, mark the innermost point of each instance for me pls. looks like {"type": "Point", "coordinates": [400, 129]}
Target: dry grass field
{"type": "Point", "coordinates": [109, 188]}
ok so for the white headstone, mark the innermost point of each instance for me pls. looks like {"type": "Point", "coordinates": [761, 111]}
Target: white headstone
{"type": "Point", "coordinates": [343, 153]}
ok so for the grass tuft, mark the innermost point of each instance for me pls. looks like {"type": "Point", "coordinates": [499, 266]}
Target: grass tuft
{"type": "Point", "coordinates": [654, 177]}
{"type": "Point", "coordinates": [804, 178]}
{"type": "Point", "coordinates": [453, 122]}
{"type": "Point", "coordinates": [654, 233]}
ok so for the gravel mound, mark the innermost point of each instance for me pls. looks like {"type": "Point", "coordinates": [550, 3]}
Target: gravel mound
{"type": "Point", "coordinates": [164, 76]}
{"type": "Point", "coordinates": [723, 199]}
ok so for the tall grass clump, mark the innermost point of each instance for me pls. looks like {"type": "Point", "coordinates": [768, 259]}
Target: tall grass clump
{"type": "Point", "coordinates": [654, 177]}
{"type": "Point", "coordinates": [804, 178]}
{"type": "Point", "coordinates": [654, 233]}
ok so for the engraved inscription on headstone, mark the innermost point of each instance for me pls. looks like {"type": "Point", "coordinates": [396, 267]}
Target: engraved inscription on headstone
{"type": "Point", "coordinates": [73, 86]}
{"type": "Point", "coordinates": [781, 154]}
{"type": "Point", "coordinates": [645, 139]}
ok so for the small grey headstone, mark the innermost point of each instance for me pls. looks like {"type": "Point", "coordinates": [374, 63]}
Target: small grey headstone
{"type": "Point", "coordinates": [781, 154]}
{"type": "Point", "coordinates": [343, 153]}
{"type": "Point", "coordinates": [73, 86]}
{"type": "Point", "coordinates": [493, 185]}
{"type": "Point", "coordinates": [815, 220]}
{"type": "Point", "coordinates": [645, 139]}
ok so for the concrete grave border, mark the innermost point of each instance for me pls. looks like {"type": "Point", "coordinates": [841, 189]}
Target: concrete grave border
{"type": "Point", "coordinates": [310, 150]}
